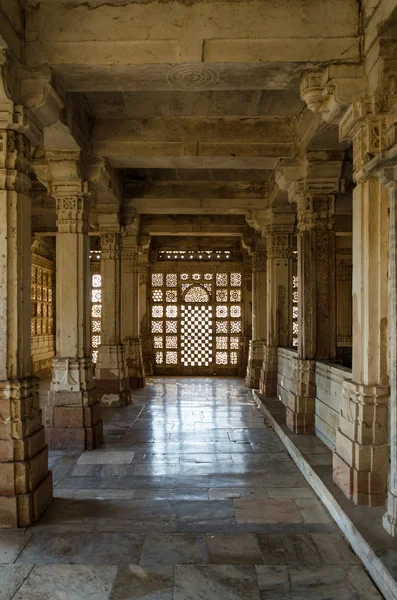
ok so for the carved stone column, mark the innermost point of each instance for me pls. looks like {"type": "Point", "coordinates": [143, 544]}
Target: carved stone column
{"type": "Point", "coordinates": [247, 314]}
{"type": "Point", "coordinates": [25, 482]}
{"type": "Point", "coordinates": [316, 302]}
{"type": "Point", "coordinates": [344, 275]}
{"type": "Point", "coordinates": [361, 456]}
{"type": "Point", "coordinates": [144, 317]}
{"type": "Point", "coordinates": [136, 372]}
{"type": "Point", "coordinates": [73, 414]}
{"type": "Point", "coordinates": [389, 177]}
{"type": "Point", "coordinates": [279, 297]}
{"type": "Point", "coordinates": [255, 354]}
{"type": "Point", "coordinates": [111, 370]}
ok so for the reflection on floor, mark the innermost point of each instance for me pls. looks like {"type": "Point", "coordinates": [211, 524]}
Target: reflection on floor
{"type": "Point", "coordinates": [192, 497]}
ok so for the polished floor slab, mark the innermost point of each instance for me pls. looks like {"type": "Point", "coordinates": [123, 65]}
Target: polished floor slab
{"type": "Point", "coordinates": [191, 497]}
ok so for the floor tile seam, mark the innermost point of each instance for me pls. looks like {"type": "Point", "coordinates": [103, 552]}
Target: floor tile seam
{"type": "Point", "coordinates": [24, 547]}
{"type": "Point", "coordinates": [23, 582]}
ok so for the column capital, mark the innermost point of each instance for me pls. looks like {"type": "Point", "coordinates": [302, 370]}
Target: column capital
{"type": "Point", "coordinates": [15, 162]}
{"type": "Point", "coordinates": [329, 91]}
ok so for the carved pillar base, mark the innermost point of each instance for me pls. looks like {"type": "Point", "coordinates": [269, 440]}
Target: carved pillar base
{"type": "Point", "coordinates": [390, 518]}
{"type": "Point", "coordinates": [269, 371]}
{"type": "Point", "coordinates": [111, 375]}
{"type": "Point", "coordinates": [301, 404]}
{"type": "Point", "coordinates": [255, 359]}
{"type": "Point", "coordinates": [146, 342]}
{"type": "Point", "coordinates": [25, 481]}
{"type": "Point", "coordinates": [73, 413]}
{"type": "Point", "coordinates": [361, 457]}
{"type": "Point", "coordinates": [136, 371]}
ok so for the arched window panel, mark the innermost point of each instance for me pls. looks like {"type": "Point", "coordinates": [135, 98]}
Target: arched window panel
{"type": "Point", "coordinates": [196, 293]}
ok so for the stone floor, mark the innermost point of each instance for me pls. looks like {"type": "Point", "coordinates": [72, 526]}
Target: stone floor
{"type": "Point", "coordinates": [192, 497]}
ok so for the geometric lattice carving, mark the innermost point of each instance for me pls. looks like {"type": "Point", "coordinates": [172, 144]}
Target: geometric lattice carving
{"type": "Point", "coordinates": [196, 294]}
{"type": "Point", "coordinates": [96, 314]}
{"type": "Point", "coordinates": [183, 334]}
{"type": "Point", "coordinates": [196, 335]}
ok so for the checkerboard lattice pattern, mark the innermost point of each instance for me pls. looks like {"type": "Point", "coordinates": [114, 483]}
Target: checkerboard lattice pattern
{"type": "Point", "coordinates": [196, 335]}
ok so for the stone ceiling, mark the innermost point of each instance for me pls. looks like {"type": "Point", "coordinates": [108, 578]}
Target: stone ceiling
{"type": "Point", "coordinates": [194, 102]}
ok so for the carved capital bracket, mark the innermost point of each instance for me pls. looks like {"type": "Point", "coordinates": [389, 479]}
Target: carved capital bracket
{"type": "Point", "coordinates": [15, 162]}
{"type": "Point", "coordinates": [104, 183]}
{"type": "Point", "coordinates": [331, 90]}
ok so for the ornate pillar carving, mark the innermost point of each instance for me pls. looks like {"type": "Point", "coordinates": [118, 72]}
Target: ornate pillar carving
{"type": "Point", "coordinates": [315, 197]}
{"type": "Point", "coordinates": [25, 482]}
{"type": "Point", "coordinates": [255, 354]}
{"type": "Point", "coordinates": [144, 317]}
{"type": "Point", "coordinates": [132, 342]}
{"type": "Point", "coordinates": [73, 415]}
{"type": "Point", "coordinates": [361, 455]}
{"type": "Point", "coordinates": [278, 235]}
{"type": "Point", "coordinates": [111, 370]}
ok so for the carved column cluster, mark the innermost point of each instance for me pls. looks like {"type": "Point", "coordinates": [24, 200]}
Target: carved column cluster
{"type": "Point", "coordinates": [255, 354]}
{"type": "Point", "coordinates": [111, 371]}
{"type": "Point", "coordinates": [316, 301]}
{"type": "Point", "coordinates": [132, 342]}
{"type": "Point", "coordinates": [25, 482]}
{"type": "Point", "coordinates": [73, 415]}
{"type": "Point", "coordinates": [279, 239]}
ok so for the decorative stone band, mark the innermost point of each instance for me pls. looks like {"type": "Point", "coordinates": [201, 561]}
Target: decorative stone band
{"type": "Point", "coordinates": [269, 371]}
{"type": "Point", "coordinates": [15, 162]}
{"type": "Point", "coordinates": [315, 212]}
{"type": "Point", "coordinates": [130, 261]}
{"type": "Point", "coordinates": [72, 374]}
{"type": "Point", "coordinates": [279, 246]}
{"type": "Point", "coordinates": [72, 214]}
{"type": "Point", "coordinates": [111, 246]}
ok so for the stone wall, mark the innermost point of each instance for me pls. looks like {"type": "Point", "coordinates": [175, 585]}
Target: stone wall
{"type": "Point", "coordinates": [285, 374]}
{"type": "Point", "coordinates": [43, 306]}
{"type": "Point", "coordinates": [329, 381]}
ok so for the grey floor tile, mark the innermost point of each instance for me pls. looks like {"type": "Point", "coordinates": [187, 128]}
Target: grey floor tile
{"type": "Point", "coordinates": [215, 583]}
{"type": "Point", "coordinates": [135, 582]}
{"type": "Point", "coordinates": [82, 548]}
{"type": "Point", "coordinates": [12, 542]}
{"type": "Point", "coordinates": [11, 578]}
{"type": "Point", "coordinates": [289, 549]}
{"type": "Point", "coordinates": [163, 549]}
{"type": "Point", "coordinates": [71, 582]}
{"type": "Point", "coordinates": [239, 549]}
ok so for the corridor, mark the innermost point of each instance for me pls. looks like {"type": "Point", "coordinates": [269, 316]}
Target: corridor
{"type": "Point", "coordinates": [192, 497]}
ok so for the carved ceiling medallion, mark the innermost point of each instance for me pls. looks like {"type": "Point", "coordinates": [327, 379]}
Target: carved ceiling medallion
{"type": "Point", "coordinates": [190, 76]}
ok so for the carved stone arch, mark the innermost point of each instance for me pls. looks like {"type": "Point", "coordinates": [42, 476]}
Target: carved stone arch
{"type": "Point", "coordinates": [196, 293]}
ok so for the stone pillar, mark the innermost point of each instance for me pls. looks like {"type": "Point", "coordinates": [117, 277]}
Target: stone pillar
{"type": "Point", "coordinates": [25, 482]}
{"type": "Point", "coordinates": [111, 370]}
{"type": "Point", "coordinates": [73, 414]}
{"type": "Point", "coordinates": [136, 372]}
{"type": "Point", "coordinates": [389, 177]}
{"type": "Point", "coordinates": [316, 303]}
{"type": "Point", "coordinates": [279, 298]}
{"type": "Point", "coordinates": [145, 337]}
{"type": "Point", "coordinates": [255, 354]}
{"type": "Point", "coordinates": [344, 275]}
{"type": "Point", "coordinates": [361, 455]}
{"type": "Point", "coordinates": [247, 314]}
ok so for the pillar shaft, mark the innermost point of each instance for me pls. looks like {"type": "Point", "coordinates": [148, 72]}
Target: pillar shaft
{"type": "Point", "coordinates": [25, 482]}
{"type": "Point", "coordinates": [316, 304]}
{"type": "Point", "coordinates": [255, 355]}
{"type": "Point", "coordinates": [144, 318]}
{"type": "Point", "coordinates": [73, 414]}
{"type": "Point", "coordinates": [361, 457]}
{"type": "Point", "coordinates": [111, 370]}
{"type": "Point", "coordinates": [136, 372]}
{"type": "Point", "coordinates": [278, 307]}
{"type": "Point", "coordinates": [390, 518]}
